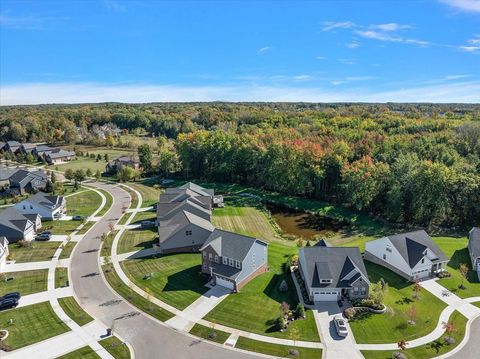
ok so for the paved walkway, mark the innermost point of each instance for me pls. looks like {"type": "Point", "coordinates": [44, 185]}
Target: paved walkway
{"type": "Point", "coordinates": [21, 267]}
{"type": "Point", "coordinates": [137, 254]}
{"type": "Point", "coordinates": [335, 346]}
{"type": "Point", "coordinates": [198, 309]}
{"type": "Point", "coordinates": [43, 296]}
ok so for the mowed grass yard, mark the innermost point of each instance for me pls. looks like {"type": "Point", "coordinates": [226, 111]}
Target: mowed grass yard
{"type": "Point", "coordinates": [389, 327]}
{"type": "Point", "coordinates": [31, 324]}
{"type": "Point", "coordinates": [430, 350]}
{"type": "Point", "coordinates": [34, 252]}
{"type": "Point", "coordinates": [277, 350]}
{"type": "Point", "coordinates": [137, 239]}
{"type": "Point", "coordinates": [84, 353]}
{"type": "Point", "coordinates": [255, 307]}
{"type": "Point", "coordinates": [456, 249]}
{"type": "Point", "coordinates": [150, 195]}
{"type": "Point", "coordinates": [176, 278]}
{"type": "Point", "coordinates": [116, 347]}
{"type": "Point", "coordinates": [74, 311]}
{"type": "Point", "coordinates": [241, 217]}
{"type": "Point", "coordinates": [144, 216]}
{"type": "Point", "coordinates": [83, 204]}
{"type": "Point", "coordinates": [25, 282]}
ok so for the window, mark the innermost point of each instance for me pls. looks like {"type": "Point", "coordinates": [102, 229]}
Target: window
{"type": "Point", "coordinates": [230, 262]}
{"type": "Point", "coordinates": [209, 256]}
{"type": "Point", "coordinates": [423, 260]}
{"type": "Point", "coordinates": [188, 233]}
{"type": "Point", "coordinates": [216, 259]}
{"type": "Point", "coordinates": [224, 260]}
{"type": "Point", "coordinates": [326, 281]}
{"type": "Point", "coordinates": [204, 254]}
{"type": "Point", "coordinates": [389, 249]}
{"type": "Point", "coordinates": [31, 207]}
{"type": "Point", "coordinates": [24, 207]}
{"type": "Point", "coordinates": [384, 256]}
{"type": "Point", "coordinates": [237, 264]}
{"type": "Point", "coordinates": [355, 290]}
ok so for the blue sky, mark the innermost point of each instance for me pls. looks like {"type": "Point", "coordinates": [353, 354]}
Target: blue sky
{"type": "Point", "coordinates": [143, 51]}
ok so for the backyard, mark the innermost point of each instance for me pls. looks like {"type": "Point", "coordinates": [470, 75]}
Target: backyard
{"type": "Point", "coordinates": [174, 279]}
{"type": "Point", "coordinates": [25, 282]}
{"type": "Point", "coordinates": [83, 204]}
{"type": "Point", "coordinates": [149, 194]}
{"type": "Point", "coordinates": [137, 239]}
{"type": "Point", "coordinates": [33, 251]}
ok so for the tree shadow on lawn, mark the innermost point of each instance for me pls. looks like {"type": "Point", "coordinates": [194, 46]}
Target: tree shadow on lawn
{"type": "Point", "coordinates": [187, 279]}
{"type": "Point", "coordinates": [272, 290]}
{"type": "Point", "coordinates": [377, 272]}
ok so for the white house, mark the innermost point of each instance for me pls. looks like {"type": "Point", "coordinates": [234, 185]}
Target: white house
{"type": "Point", "coordinates": [474, 249]}
{"type": "Point", "coordinates": [16, 226]}
{"type": "Point", "coordinates": [3, 252]}
{"type": "Point", "coordinates": [412, 255]}
{"type": "Point", "coordinates": [47, 206]}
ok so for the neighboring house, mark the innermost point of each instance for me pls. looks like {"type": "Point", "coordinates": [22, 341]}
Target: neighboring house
{"type": "Point", "coordinates": [332, 273]}
{"type": "Point", "coordinates": [40, 151]}
{"type": "Point", "coordinates": [5, 174]}
{"type": "Point", "coordinates": [47, 206]}
{"type": "Point", "coordinates": [118, 163]}
{"type": "Point", "coordinates": [474, 249]}
{"type": "Point", "coordinates": [412, 255]}
{"type": "Point", "coordinates": [232, 260]}
{"type": "Point", "coordinates": [27, 148]}
{"type": "Point", "coordinates": [12, 146]}
{"type": "Point", "coordinates": [217, 200]}
{"type": "Point", "coordinates": [180, 195]}
{"type": "Point", "coordinates": [2, 145]}
{"type": "Point", "coordinates": [15, 226]}
{"type": "Point", "coordinates": [58, 155]}
{"type": "Point", "coordinates": [23, 181]}
{"type": "Point", "coordinates": [168, 210]}
{"type": "Point", "coordinates": [3, 252]}
{"type": "Point", "coordinates": [183, 232]}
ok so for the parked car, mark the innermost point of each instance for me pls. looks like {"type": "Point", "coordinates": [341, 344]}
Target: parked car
{"type": "Point", "coordinates": [147, 224]}
{"type": "Point", "coordinates": [14, 295]}
{"type": "Point", "coordinates": [42, 237]}
{"type": "Point", "coordinates": [77, 218]}
{"type": "Point", "coordinates": [340, 326]}
{"type": "Point", "coordinates": [8, 303]}
{"type": "Point", "coordinates": [46, 232]}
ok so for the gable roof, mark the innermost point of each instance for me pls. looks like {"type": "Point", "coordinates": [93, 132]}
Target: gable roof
{"type": "Point", "coordinates": [474, 241]}
{"type": "Point", "coordinates": [6, 172]}
{"type": "Point", "coordinates": [23, 177]}
{"type": "Point", "coordinates": [47, 201]}
{"type": "Point", "coordinates": [182, 219]}
{"type": "Point", "coordinates": [13, 144]}
{"type": "Point", "coordinates": [13, 223]}
{"type": "Point", "coordinates": [3, 241]}
{"type": "Point", "coordinates": [230, 244]}
{"type": "Point", "coordinates": [59, 153]}
{"type": "Point", "coordinates": [333, 263]}
{"type": "Point", "coordinates": [168, 209]}
{"type": "Point", "coordinates": [412, 246]}
{"type": "Point", "coordinates": [197, 189]}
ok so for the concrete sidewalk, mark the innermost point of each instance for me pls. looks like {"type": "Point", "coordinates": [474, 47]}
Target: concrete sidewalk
{"type": "Point", "coordinates": [21, 267]}
{"type": "Point", "coordinates": [136, 254]}
{"type": "Point", "coordinates": [44, 296]}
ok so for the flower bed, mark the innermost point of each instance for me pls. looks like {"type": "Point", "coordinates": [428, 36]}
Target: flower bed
{"type": "Point", "coordinates": [302, 286]}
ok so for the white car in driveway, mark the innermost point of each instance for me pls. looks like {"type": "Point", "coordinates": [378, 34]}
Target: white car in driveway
{"type": "Point", "coordinates": [340, 326]}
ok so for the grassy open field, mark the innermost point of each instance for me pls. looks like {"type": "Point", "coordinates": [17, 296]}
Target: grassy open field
{"type": "Point", "coordinates": [241, 216]}
{"type": "Point", "coordinates": [83, 204]}
{"type": "Point", "coordinates": [276, 349]}
{"type": "Point", "coordinates": [175, 278]}
{"type": "Point", "coordinates": [211, 334]}
{"type": "Point", "coordinates": [257, 305]}
{"type": "Point", "coordinates": [137, 239]}
{"type": "Point", "coordinates": [35, 252]}
{"type": "Point", "coordinates": [134, 298]}
{"type": "Point", "coordinates": [26, 282]}
{"type": "Point", "coordinates": [115, 347]}
{"type": "Point", "coordinates": [149, 194]}
{"type": "Point", "coordinates": [74, 311]}
{"type": "Point", "coordinates": [61, 277]}
{"type": "Point", "coordinates": [84, 353]}
{"type": "Point", "coordinates": [31, 324]}
{"type": "Point", "coordinates": [430, 350]}
{"type": "Point", "coordinates": [389, 327]}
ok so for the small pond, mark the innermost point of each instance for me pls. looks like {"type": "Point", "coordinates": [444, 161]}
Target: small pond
{"type": "Point", "coordinates": [303, 224]}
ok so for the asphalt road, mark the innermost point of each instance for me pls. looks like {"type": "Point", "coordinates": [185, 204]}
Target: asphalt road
{"type": "Point", "coordinates": [471, 349]}
{"type": "Point", "coordinates": [149, 338]}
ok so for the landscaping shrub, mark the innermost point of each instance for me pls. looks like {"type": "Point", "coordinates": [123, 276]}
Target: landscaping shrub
{"type": "Point", "coordinates": [300, 311]}
{"type": "Point", "coordinates": [283, 286]}
{"type": "Point", "coordinates": [350, 313]}
{"type": "Point", "coordinates": [293, 352]}
{"type": "Point", "coordinates": [444, 274]}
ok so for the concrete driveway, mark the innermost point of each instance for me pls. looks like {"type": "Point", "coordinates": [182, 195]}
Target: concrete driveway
{"type": "Point", "coordinates": [335, 346]}
{"type": "Point", "coordinates": [148, 337]}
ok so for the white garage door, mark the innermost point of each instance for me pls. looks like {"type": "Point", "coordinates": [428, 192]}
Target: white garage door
{"type": "Point", "coordinates": [224, 283]}
{"type": "Point", "coordinates": [325, 296]}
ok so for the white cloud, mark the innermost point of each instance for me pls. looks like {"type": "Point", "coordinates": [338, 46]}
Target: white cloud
{"type": "Point", "coordinates": [302, 77]}
{"type": "Point", "coordinates": [263, 50]}
{"type": "Point", "coordinates": [330, 25]}
{"type": "Point", "coordinates": [456, 77]}
{"type": "Point", "coordinates": [391, 26]}
{"type": "Point", "coordinates": [115, 5]}
{"type": "Point", "coordinates": [41, 93]}
{"type": "Point", "coordinates": [347, 61]}
{"type": "Point", "coordinates": [30, 21]}
{"type": "Point", "coordinates": [384, 36]}
{"type": "Point", "coordinates": [320, 57]}
{"type": "Point", "coordinates": [352, 45]}
{"type": "Point", "coordinates": [464, 5]}
{"type": "Point", "coordinates": [471, 49]}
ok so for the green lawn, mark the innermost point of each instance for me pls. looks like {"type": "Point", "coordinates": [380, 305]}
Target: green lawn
{"type": "Point", "coordinates": [241, 216]}
{"type": "Point", "coordinates": [124, 218]}
{"type": "Point", "coordinates": [35, 252]}
{"type": "Point", "coordinates": [31, 324]}
{"type": "Point", "coordinates": [115, 347]}
{"type": "Point", "coordinates": [134, 298]}
{"type": "Point", "coordinates": [26, 282]}
{"type": "Point", "coordinates": [257, 304]}
{"type": "Point", "coordinates": [107, 244]}
{"type": "Point", "coordinates": [83, 353]}
{"type": "Point", "coordinates": [276, 349]}
{"type": "Point", "coordinates": [81, 163]}
{"type": "Point", "coordinates": [175, 278]}
{"type": "Point", "coordinates": [108, 203]}
{"type": "Point", "coordinates": [137, 239]}
{"type": "Point", "coordinates": [67, 249]}
{"type": "Point", "coordinates": [61, 227]}
{"type": "Point", "coordinates": [61, 277]}
{"type": "Point", "coordinates": [86, 227]}
{"type": "Point", "coordinates": [74, 311]}
{"type": "Point", "coordinates": [431, 350]}
{"type": "Point", "coordinates": [83, 204]}
{"type": "Point", "coordinates": [456, 249]}
{"type": "Point", "coordinates": [133, 195]}
{"type": "Point", "coordinates": [211, 334]}
{"type": "Point", "coordinates": [144, 216]}
{"type": "Point", "coordinates": [477, 304]}
{"type": "Point", "coordinates": [149, 194]}
{"type": "Point", "coordinates": [389, 327]}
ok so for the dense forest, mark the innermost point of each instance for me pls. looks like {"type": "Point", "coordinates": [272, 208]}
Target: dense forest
{"type": "Point", "coordinates": [408, 163]}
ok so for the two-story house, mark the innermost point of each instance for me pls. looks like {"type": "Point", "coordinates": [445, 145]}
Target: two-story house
{"type": "Point", "coordinates": [474, 249]}
{"type": "Point", "coordinates": [47, 206]}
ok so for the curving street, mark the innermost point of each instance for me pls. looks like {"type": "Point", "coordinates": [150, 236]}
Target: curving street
{"type": "Point", "coordinates": [148, 337]}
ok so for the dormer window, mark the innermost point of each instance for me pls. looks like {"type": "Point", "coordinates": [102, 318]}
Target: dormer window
{"type": "Point", "coordinates": [237, 264]}
{"type": "Point", "coordinates": [423, 260]}
{"type": "Point", "coordinates": [325, 281]}
{"type": "Point", "coordinates": [230, 262]}
{"type": "Point", "coordinates": [216, 259]}
{"type": "Point", "coordinates": [225, 260]}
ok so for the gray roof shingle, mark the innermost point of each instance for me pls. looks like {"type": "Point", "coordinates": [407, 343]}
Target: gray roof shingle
{"type": "Point", "coordinates": [474, 241]}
